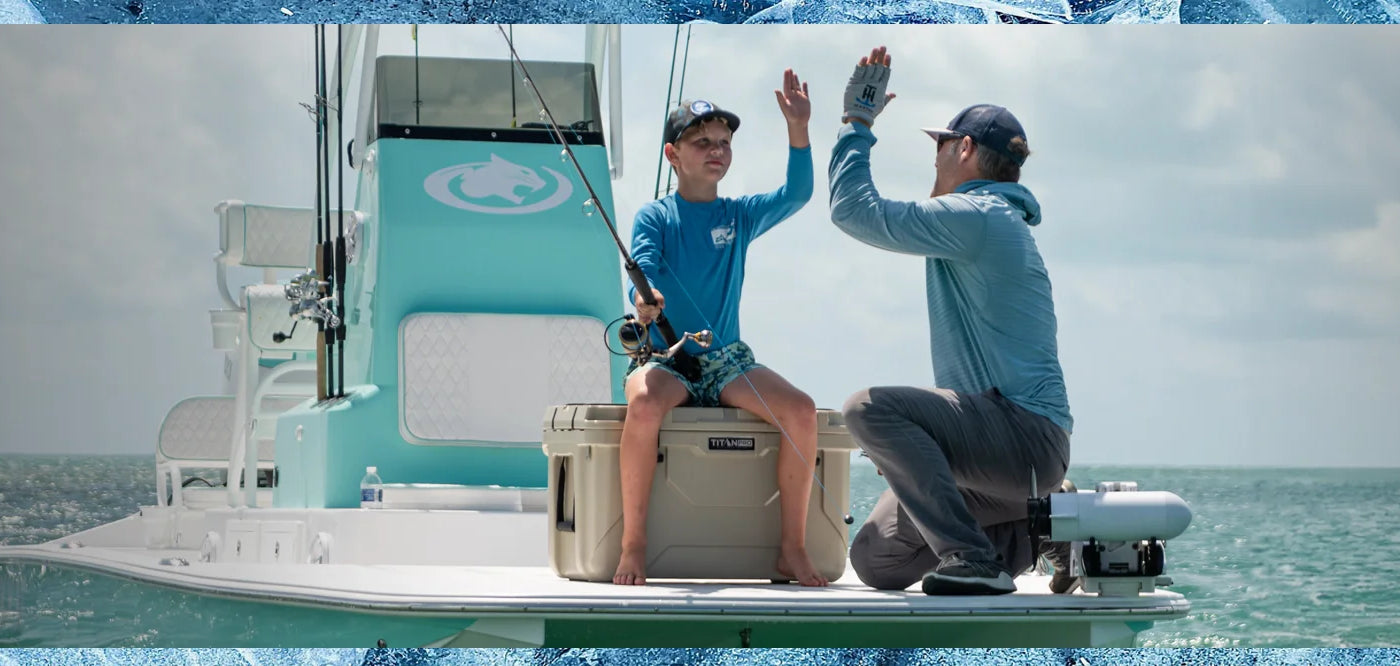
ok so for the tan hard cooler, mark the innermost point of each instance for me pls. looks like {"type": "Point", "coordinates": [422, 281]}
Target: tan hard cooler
{"type": "Point", "coordinates": [714, 511]}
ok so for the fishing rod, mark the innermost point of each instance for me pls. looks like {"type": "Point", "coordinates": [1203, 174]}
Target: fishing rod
{"type": "Point", "coordinates": [340, 258]}
{"type": "Point", "coordinates": [680, 95]}
{"type": "Point", "coordinates": [327, 251]}
{"type": "Point", "coordinates": [315, 294]}
{"type": "Point", "coordinates": [634, 272]}
{"type": "Point", "coordinates": [683, 362]}
{"type": "Point", "coordinates": [670, 82]}
{"type": "Point", "coordinates": [323, 343]}
{"type": "Point", "coordinates": [513, 123]}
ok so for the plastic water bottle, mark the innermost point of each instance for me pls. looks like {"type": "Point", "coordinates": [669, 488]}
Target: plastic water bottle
{"type": "Point", "coordinates": [371, 489]}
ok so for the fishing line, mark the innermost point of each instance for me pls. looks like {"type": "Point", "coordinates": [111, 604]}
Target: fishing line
{"type": "Point", "coordinates": [684, 362]}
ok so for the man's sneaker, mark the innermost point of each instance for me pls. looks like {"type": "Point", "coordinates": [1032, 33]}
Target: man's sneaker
{"type": "Point", "coordinates": [955, 575]}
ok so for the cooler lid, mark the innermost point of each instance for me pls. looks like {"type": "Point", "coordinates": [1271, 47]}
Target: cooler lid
{"type": "Point", "coordinates": [610, 417]}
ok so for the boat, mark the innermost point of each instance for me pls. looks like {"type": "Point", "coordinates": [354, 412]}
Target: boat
{"type": "Point", "coordinates": [452, 314]}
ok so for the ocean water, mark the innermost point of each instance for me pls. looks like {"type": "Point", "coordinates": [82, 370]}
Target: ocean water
{"type": "Point", "coordinates": [1274, 558]}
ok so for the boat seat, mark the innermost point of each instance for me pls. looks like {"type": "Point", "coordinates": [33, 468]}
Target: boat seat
{"type": "Point", "coordinates": [197, 434]}
{"type": "Point", "coordinates": [271, 238]}
{"type": "Point", "coordinates": [488, 379]}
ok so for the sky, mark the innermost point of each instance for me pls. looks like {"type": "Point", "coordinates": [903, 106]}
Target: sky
{"type": "Point", "coordinates": [1222, 216]}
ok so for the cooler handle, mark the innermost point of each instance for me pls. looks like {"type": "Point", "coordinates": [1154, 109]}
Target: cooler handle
{"type": "Point", "coordinates": [561, 524]}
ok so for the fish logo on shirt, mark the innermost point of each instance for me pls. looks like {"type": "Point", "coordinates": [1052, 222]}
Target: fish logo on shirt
{"type": "Point", "coordinates": [722, 236]}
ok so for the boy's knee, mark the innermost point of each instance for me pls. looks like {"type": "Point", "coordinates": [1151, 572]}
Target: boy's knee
{"type": "Point", "coordinates": [646, 405]}
{"type": "Point", "coordinates": [802, 408]}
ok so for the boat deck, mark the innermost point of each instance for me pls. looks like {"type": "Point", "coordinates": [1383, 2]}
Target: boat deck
{"type": "Point", "coordinates": [478, 590]}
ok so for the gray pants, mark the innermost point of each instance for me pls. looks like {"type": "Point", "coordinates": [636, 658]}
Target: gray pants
{"type": "Point", "coordinates": [959, 470]}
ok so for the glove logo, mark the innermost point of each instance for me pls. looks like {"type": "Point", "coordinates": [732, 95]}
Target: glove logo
{"type": "Point", "coordinates": [867, 96]}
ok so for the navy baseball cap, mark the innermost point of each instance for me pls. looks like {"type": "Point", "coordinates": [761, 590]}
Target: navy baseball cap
{"type": "Point", "coordinates": [691, 112]}
{"type": "Point", "coordinates": [989, 125]}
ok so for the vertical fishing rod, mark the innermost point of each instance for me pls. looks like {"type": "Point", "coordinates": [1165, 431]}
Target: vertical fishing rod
{"type": "Point", "coordinates": [340, 215]}
{"type": "Point", "coordinates": [319, 293]}
{"type": "Point", "coordinates": [680, 95]}
{"type": "Point", "coordinates": [321, 176]}
{"type": "Point", "coordinates": [327, 255]}
{"type": "Point", "coordinates": [513, 123]}
{"type": "Point", "coordinates": [417, 96]}
{"type": "Point", "coordinates": [684, 362]}
{"type": "Point", "coordinates": [670, 82]}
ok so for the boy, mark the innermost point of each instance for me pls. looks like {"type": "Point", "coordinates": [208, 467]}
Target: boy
{"type": "Point", "coordinates": [692, 245]}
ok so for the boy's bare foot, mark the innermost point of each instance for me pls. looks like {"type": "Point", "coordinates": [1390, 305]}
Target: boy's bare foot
{"type": "Point", "coordinates": [794, 563]}
{"type": "Point", "coordinates": [631, 570]}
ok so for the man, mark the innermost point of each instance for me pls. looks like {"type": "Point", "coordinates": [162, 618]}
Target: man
{"type": "Point", "coordinates": [692, 245]}
{"type": "Point", "coordinates": [958, 458]}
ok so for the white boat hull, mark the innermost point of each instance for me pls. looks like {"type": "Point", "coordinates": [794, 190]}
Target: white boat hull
{"type": "Point", "coordinates": [478, 582]}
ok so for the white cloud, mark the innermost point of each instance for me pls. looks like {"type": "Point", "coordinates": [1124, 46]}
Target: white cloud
{"type": "Point", "coordinates": [1215, 93]}
{"type": "Point", "coordinates": [1263, 163]}
{"type": "Point", "coordinates": [1373, 251]}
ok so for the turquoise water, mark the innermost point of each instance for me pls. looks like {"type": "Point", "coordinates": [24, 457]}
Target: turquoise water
{"type": "Point", "coordinates": [1273, 558]}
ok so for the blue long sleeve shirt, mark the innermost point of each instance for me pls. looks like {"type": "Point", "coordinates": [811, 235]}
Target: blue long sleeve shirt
{"type": "Point", "coordinates": [991, 316]}
{"type": "Point", "coordinates": [694, 252]}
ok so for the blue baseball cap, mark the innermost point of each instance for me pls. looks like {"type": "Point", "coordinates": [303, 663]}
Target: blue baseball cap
{"type": "Point", "coordinates": [691, 112]}
{"type": "Point", "coordinates": [989, 125]}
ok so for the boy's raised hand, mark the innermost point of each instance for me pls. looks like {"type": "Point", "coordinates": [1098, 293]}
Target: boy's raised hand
{"type": "Point", "coordinates": [793, 100]}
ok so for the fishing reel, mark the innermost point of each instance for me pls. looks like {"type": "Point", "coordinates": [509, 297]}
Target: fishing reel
{"type": "Point", "coordinates": [1116, 534]}
{"type": "Point", "coordinates": [305, 286]}
{"type": "Point", "coordinates": [304, 291]}
{"type": "Point", "coordinates": [637, 343]}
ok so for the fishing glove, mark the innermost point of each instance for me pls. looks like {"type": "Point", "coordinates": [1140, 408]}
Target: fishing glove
{"type": "Point", "coordinates": [865, 92]}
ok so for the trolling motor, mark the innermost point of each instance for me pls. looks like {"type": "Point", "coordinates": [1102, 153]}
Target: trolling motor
{"type": "Point", "coordinates": [1116, 534]}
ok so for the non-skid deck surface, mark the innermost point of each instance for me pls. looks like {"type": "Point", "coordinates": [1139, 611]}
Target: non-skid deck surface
{"type": "Point", "coordinates": [473, 590]}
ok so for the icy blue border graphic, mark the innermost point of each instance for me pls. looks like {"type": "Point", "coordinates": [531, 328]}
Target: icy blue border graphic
{"type": "Point", "coordinates": [709, 657]}
{"type": "Point", "coordinates": [19, 11]}
{"type": "Point", "coordinates": [711, 11]}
